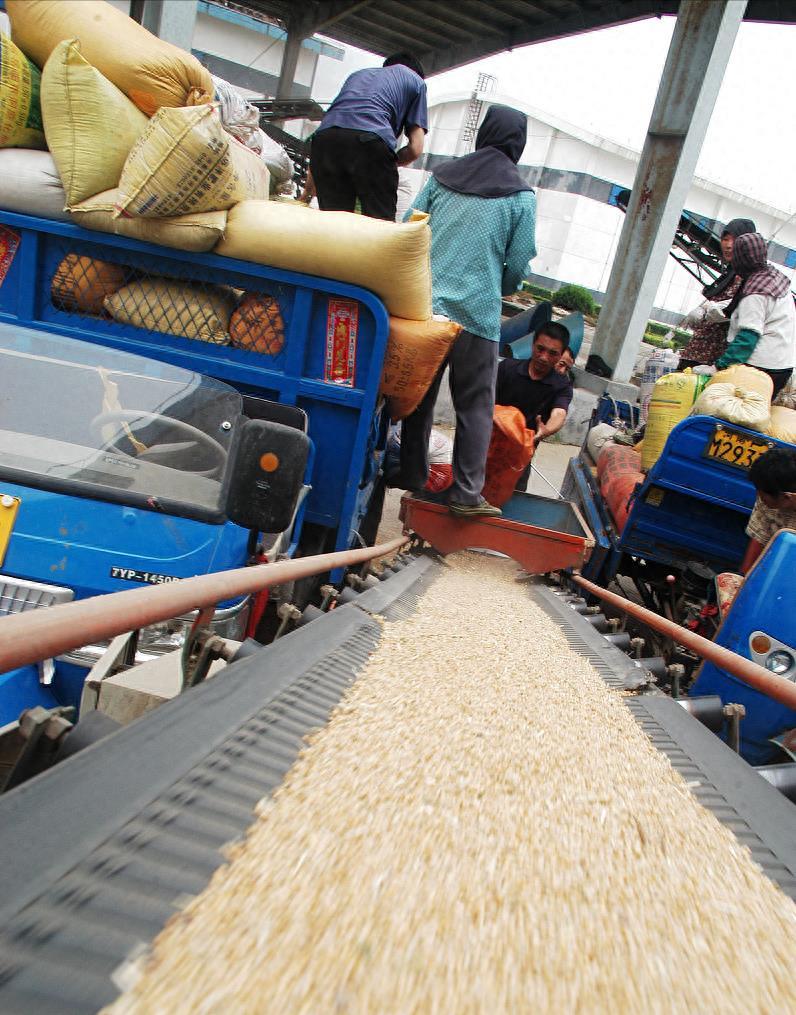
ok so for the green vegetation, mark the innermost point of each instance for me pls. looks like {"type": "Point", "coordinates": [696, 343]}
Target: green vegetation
{"type": "Point", "coordinates": [575, 297]}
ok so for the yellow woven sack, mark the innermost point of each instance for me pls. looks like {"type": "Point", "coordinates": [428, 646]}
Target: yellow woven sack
{"type": "Point", "coordinates": [197, 233]}
{"type": "Point", "coordinates": [90, 125]}
{"type": "Point", "coordinates": [415, 352]}
{"type": "Point", "coordinates": [388, 258]}
{"type": "Point", "coordinates": [151, 72]}
{"type": "Point", "coordinates": [735, 404]}
{"type": "Point", "coordinates": [175, 308]}
{"type": "Point", "coordinates": [186, 162]}
{"type": "Point", "coordinates": [672, 398]}
{"type": "Point", "coordinates": [20, 112]}
{"type": "Point", "coordinates": [783, 424]}
{"type": "Point", "coordinates": [742, 376]}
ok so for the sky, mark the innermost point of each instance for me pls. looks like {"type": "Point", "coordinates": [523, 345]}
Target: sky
{"type": "Point", "coordinates": [606, 82]}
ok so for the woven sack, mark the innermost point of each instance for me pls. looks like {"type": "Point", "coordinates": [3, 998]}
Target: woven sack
{"type": "Point", "coordinates": [20, 112]}
{"type": "Point", "coordinates": [257, 325]}
{"type": "Point", "coordinates": [150, 72]}
{"type": "Point", "coordinates": [510, 450]}
{"type": "Point", "coordinates": [415, 352]}
{"type": "Point", "coordinates": [174, 308]}
{"type": "Point", "coordinates": [185, 162]}
{"type": "Point", "coordinates": [30, 184]}
{"type": "Point", "coordinates": [783, 424]}
{"type": "Point", "coordinates": [90, 125]}
{"type": "Point", "coordinates": [735, 405]}
{"type": "Point", "coordinates": [671, 401]}
{"type": "Point", "coordinates": [196, 233]}
{"type": "Point", "coordinates": [391, 259]}
{"type": "Point", "coordinates": [745, 377]}
{"type": "Point", "coordinates": [81, 284]}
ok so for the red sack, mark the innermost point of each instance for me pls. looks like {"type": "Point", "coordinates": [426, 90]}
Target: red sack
{"type": "Point", "coordinates": [440, 477]}
{"type": "Point", "coordinates": [616, 460]}
{"type": "Point", "coordinates": [617, 493]}
{"type": "Point", "coordinates": [510, 450]}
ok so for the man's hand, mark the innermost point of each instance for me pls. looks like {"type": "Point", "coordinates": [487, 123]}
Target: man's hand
{"type": "Point", "coordinates": [541, 432]}
{"type": "Point", "coordinates": [704, 369]}
{"type": "Point", "coordinates": [410, 152]}
{"type": "Point", "coordinates": [309, 189]}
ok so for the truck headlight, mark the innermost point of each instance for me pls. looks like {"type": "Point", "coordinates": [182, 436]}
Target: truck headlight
{"type": "Point", "coordinates": [779, 662]}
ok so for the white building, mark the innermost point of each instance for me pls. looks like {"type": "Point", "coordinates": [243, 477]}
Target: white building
{"type": "Point", "coordinates": [577, 176]}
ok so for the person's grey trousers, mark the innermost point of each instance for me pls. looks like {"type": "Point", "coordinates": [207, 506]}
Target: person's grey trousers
{"type": "Point", "coordinates": [473, 370]}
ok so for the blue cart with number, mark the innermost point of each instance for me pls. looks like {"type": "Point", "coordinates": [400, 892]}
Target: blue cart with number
{"type": "Point", "coordinates": [687, 519]}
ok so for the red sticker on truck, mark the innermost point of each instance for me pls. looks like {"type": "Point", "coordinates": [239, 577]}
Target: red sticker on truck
{"type": "Point", "coordinates": [342, 326]}
{"type": "Point", "coordinates": [9, 242]}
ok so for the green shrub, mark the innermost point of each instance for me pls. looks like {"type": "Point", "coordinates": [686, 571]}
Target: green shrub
{"type": "Point", "coordinates": [574, 297]}
{"type": "Point", "coordinates": [537, 291]}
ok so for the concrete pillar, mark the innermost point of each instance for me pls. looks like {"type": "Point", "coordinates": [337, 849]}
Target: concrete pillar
{"type": "Point", "coordinates": [171, 20]}
{"type": "Point", "coordinates": [700, 49]}
{"type": "Point", "coordinates": [290, 56]}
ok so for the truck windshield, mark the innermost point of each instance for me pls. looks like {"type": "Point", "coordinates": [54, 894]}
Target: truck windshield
{"type": "Point", "coordinates": [103, 423]}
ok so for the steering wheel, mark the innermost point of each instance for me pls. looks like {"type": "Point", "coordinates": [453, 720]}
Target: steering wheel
{"type": "Point", "coordinates": [161, 449]}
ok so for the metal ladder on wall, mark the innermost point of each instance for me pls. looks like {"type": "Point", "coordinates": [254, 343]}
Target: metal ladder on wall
{"type": "Point", "coordinates": [486, 84]}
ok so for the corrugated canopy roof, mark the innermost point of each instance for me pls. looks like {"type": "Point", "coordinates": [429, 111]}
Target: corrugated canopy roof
{"type": "Point", "coordinates": [449, 33]}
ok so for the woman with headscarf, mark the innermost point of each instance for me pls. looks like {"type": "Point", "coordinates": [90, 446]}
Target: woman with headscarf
{"type": "Point", "coordinates": [483, 222]}
{"type": "Point", "coordinates": [762, 315]}
{"type": "Point", "coordinates": [708, 322]}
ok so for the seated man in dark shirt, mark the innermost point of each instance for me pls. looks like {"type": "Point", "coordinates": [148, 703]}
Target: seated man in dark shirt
{"type": "Point", "coordinates": [536, 388]}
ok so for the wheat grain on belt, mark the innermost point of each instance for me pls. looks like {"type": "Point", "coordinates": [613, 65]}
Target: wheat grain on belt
{"type": "Point", "coordinates": [481, 828]}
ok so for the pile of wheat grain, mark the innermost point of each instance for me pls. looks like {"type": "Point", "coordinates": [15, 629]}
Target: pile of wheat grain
{"type": "Point", "coordinates": [482, 827]}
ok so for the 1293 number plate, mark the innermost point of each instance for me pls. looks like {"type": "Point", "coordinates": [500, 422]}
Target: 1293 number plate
{"type": "Point", "coordinates": [735, 448]}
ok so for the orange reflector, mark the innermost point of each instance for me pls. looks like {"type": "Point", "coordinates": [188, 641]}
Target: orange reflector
{"type": "Point", "coordinates": [269, 462]}
{"type": "Point", "coordinates": [760, 644]}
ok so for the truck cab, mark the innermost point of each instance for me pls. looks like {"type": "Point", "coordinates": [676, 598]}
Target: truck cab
{"type": "Point", "coordinates": [116, 471]}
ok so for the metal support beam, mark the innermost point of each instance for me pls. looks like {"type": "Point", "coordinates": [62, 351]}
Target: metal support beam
{"type": "Point", "coordinates": [171, 20]}
{"type": "Point", "coordinates": [700, 49]}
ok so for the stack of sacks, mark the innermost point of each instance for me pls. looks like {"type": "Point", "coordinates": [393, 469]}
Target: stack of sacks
{"type": "Point", "coordinates": [29, 181]}
{"type": "Point", "coordinates": [97, 93]}
{"type": "Point", "coordinates": [740, 395]}
{"type": "Point", "coordinates": [618, 473]}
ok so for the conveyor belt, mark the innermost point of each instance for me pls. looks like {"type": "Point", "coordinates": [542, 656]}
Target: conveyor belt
{"type": "Point", "coordinates": [100, 851]}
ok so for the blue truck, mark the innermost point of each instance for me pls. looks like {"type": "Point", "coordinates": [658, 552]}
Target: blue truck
{"type": "Point", "coordinates": [685, 525]}
{"type": "Point", "coordinates": [133, 454]}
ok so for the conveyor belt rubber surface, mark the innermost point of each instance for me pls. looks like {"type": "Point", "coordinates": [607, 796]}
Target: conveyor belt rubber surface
{"type": "Point", "coordinates": [102, 850]}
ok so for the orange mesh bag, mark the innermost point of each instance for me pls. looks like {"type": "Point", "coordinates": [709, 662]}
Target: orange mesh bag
{"type": "Point", "coordinates": [257, 325]}
{"type": "Point", "coordinates": [616, 460]}
{"type": "Point", "coordinates": [80, 284]}
{"type": "Point", "coordinates": [510, 450]}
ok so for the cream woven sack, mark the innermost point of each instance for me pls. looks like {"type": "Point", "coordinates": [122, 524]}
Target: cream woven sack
{"type": "Point", "coordinates": [185, 162]}
{"type": "Point", "coordinates": [90, 125]}
{"type": "Point", "coordinates": [388, 258]}
{"type": "Point", "coordinates": [175, 308]}
{"type": "Point", "coordinates": [150, 72]}
{"type": "Point", "coordinates": [783, 424]}
{"type": "Point", "coordinates": [735, 405]}
{"type": "Point", "coordinates": [197, 233]}
{"type": "Point", "coordinates": [747, 378]}
{"type": "Point", "coordinates": [20, 110]}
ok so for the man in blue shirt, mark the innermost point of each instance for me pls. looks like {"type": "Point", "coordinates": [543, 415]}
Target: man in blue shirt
{"type": "Point", "coordinates": [353, 154]}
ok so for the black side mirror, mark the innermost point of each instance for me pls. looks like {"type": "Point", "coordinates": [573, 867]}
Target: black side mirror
{"type": "Point", "coordinates": [267, 475]}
